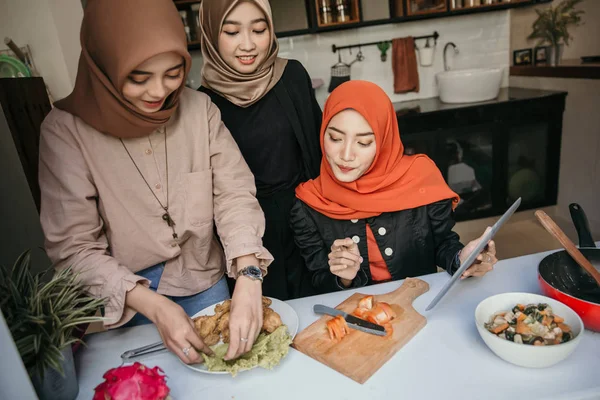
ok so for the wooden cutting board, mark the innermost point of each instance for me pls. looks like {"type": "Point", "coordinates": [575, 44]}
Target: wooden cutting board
{"type": "Point", "coordinates": [359, 355]}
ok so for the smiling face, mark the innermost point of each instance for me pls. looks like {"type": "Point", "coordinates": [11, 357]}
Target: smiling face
{"type": "Point", "coordinates": [245, 39]}
{"type": "Point", "coordinates": [349, 145]}
{"type": "Point", "coordinates": [150, 84]}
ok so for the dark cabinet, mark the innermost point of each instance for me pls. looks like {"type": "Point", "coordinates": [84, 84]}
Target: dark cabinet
{"type": "Point", "coordinates": [491, 153]}
{"type": "Point", "coordinates": [290, 16]}
{"type": "Point", "coordinates": [25, 104]}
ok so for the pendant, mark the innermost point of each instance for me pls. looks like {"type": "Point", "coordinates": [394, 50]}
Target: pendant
{"type": "Point", "coordinates": [167, 218]}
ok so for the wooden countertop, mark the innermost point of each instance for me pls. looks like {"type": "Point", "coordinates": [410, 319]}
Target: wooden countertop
{"type": "Point", "coordinates": [567, 69]}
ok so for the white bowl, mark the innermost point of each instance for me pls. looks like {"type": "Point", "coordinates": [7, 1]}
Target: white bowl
{"type": "Point", "coordinates": [526, 355]}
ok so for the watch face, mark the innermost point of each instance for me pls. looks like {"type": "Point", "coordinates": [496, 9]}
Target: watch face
{"type": "Point", "coordinates": [252, 271]}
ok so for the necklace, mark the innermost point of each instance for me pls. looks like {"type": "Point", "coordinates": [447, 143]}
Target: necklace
{"type": "Point", "coordinates": [166, 216]}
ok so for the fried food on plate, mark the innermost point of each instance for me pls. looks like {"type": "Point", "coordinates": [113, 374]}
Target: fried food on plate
{"type": "Point", "coordinates": [212, 339]}
{"type": "Point", "coordinates": [213, 328]}
{"type": "Point", "coordinates": [225, 335]}
{"type": "Point", "coordinates": [205, 325]}
{"type": "Point", "coordinates": [223, 323]}
{"type": "Point", "coordinates": [271, 320]}
{"type": "Point", "coordinates": [266, 302]}
{"type": "Point", "coordinates": [223, 308]}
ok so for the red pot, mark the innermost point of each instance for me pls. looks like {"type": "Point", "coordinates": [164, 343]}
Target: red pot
{"type": "Point", "coordinates": [561, 278]}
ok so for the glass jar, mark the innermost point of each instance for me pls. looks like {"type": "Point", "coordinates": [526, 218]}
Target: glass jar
{"type": "Point", "coordinates": [326, 12]}
{"type": "Point", "coordinates": [342, 10]}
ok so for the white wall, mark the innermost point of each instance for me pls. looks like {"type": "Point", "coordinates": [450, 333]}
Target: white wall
{"type": "Point", "coordinates": [51, 29]}
{"type": "Point", "coordinates": [483, 41]}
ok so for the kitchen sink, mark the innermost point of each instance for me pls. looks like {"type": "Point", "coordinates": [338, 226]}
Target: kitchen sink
{"type": "Point", "coordinates": [469, 85]}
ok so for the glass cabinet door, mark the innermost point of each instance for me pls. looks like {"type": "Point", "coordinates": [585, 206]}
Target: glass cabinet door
{"type": "Point", "coordinates": [468, 168]}
{"type": "Point", "coordinates": [527, 162]}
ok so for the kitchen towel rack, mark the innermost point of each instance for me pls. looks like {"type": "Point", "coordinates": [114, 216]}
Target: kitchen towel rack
{"type": "Point", "coordinates": [435, 35]}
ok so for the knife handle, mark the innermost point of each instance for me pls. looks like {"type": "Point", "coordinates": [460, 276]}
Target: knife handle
{"type": "Point", "coordinates": [321, 309]}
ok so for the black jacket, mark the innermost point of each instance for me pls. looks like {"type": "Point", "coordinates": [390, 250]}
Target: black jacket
{"type": "Point", "coordinates": [295, 93]}
{"type": "Point", "coordinates": [412, 242]}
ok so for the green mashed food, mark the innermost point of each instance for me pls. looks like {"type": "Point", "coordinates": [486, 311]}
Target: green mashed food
{"type": "Point", "coordinates": [267, 352]}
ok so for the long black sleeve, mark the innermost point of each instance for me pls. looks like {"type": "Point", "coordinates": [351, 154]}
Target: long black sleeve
{"type": "Point", "coordinates": [447, 242]}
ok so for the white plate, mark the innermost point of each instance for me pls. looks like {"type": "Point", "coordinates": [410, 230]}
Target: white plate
{"type": "Point", "coordinates": [288, 317]}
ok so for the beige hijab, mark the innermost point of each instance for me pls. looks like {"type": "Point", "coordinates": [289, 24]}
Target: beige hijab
{"type": "Point", "coordinates": [116, 37]}
{"type": "Point", "coordinates": [240, 89]}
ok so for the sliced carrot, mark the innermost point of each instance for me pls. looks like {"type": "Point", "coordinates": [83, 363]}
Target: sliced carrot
{"type": "Point", "coordinates": [564, 327]}
{"type": "Point", "coordinates": [366, 302]}
{"type": "Point", "coordinates": [521, 317]}
{"type": "Point", "coordinates": [387, 309]}
{"type": "Point", "coordinates": [558, 319]}
{"type": "Point", "coordinates": [521, 307]}
{"type": "Point", "coordinates": [523, 329]}
{"type": "Point", "coordinates": [500, 328]}
{"type": "Point", "coordinates": [547, 321]}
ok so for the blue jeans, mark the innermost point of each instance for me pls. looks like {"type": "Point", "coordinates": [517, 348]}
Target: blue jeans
{"type": "Point", "coordinates": [191, 304]}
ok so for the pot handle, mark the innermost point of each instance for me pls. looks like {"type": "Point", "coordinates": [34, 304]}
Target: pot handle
{"type": "Point", "coordinates": [582, 225]}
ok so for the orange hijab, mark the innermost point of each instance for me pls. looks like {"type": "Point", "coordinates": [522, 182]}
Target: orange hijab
{"type": "Point", "coordinates": [394, 181]}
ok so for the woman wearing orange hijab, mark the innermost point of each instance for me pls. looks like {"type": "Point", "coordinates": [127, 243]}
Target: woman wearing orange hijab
{"type": "Point", "coordinates": [375, 214]}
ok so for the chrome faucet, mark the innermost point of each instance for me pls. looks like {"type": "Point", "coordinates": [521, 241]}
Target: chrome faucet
{"type": "Point", "coordinates": [455, 52]}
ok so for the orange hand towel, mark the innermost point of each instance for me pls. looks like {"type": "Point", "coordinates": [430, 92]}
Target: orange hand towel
{"type": "Point", "coordinates": [404, 65]}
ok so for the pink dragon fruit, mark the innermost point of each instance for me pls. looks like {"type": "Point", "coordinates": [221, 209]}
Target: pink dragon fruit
{"type": "Point", "coordinates": [133, 382]}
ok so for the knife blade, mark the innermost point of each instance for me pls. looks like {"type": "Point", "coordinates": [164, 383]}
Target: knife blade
{"type": "Point", "coordinates": [352, 321]}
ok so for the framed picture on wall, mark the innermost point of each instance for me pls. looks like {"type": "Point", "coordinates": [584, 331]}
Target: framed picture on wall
{"type": "Point", "coordinates": [522, 57]}
{"type": "Point", "coordinates": [416, 7]}
{"type": "Point", "coordinates": [540, 55]}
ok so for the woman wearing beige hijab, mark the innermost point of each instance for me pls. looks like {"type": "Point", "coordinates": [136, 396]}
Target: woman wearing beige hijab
{"type": "Point", "coordinates": [268, 105]}
{"type": "Point", "coordinates": [134, 169]}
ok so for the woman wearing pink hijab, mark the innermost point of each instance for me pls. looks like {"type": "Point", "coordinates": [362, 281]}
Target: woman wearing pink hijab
{"type": "Point", "coordinates": [135, 171]}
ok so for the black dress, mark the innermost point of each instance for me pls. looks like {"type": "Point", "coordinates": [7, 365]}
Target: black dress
{"type": "Point", "coordinates": [279, 139]}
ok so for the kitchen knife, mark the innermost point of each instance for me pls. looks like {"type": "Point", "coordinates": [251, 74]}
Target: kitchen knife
{"type": "Point", "coordinates": [352, 321]}
{"type": "Point", "coordinates": [471, 258]}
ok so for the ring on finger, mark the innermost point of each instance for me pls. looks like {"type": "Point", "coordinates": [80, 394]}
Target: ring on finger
{"type": "Point", "coordinates": [243, 339]}
{"type": "Point", "coordinates": [186, 351]}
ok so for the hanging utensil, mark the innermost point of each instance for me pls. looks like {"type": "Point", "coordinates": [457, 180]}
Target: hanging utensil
{"type": "Point", "coordinates": [340, 72]}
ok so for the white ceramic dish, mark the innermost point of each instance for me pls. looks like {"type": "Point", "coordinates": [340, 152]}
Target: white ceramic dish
{"type": "Point", "coordinates": [526, 355]}
{"type": "Point", "coordinates": [288, 317]}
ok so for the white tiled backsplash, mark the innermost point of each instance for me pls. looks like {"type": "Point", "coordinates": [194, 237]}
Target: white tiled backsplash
{"type": "Point", "coordinates": [483, 41]}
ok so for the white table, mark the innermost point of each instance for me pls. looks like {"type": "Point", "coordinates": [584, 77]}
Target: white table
{"type": "Point", "coordinates": [446, 360]}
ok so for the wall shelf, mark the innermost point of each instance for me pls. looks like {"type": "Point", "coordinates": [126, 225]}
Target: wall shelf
{"type": "Point", "coordinates": [573, 69]}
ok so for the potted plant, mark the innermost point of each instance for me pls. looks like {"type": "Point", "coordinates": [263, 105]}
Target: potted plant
{"type": "Point", "coordinates": [551, 27]}
{"type": "Point", "coordinates": [43, 317]}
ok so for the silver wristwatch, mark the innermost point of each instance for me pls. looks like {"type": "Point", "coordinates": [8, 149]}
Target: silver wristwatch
{"type": "Point", "coordinates": [252, 272]}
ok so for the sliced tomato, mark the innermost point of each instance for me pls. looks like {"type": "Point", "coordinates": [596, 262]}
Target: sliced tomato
{"type": "Point", "coordinates": [330, 330]}
{"type": "Point", "coordinates": [387, 309]}
{"type": "Point", "coordinates": [343, 325]}
{"type": "Point", "coordinates": [389, 330]}
{"type": "Point", "coordinates": [360, 312]}
{"type": "Point", "coordinates": [378, 315]}
{"type": "Point", "coordinates": [366, 302]}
